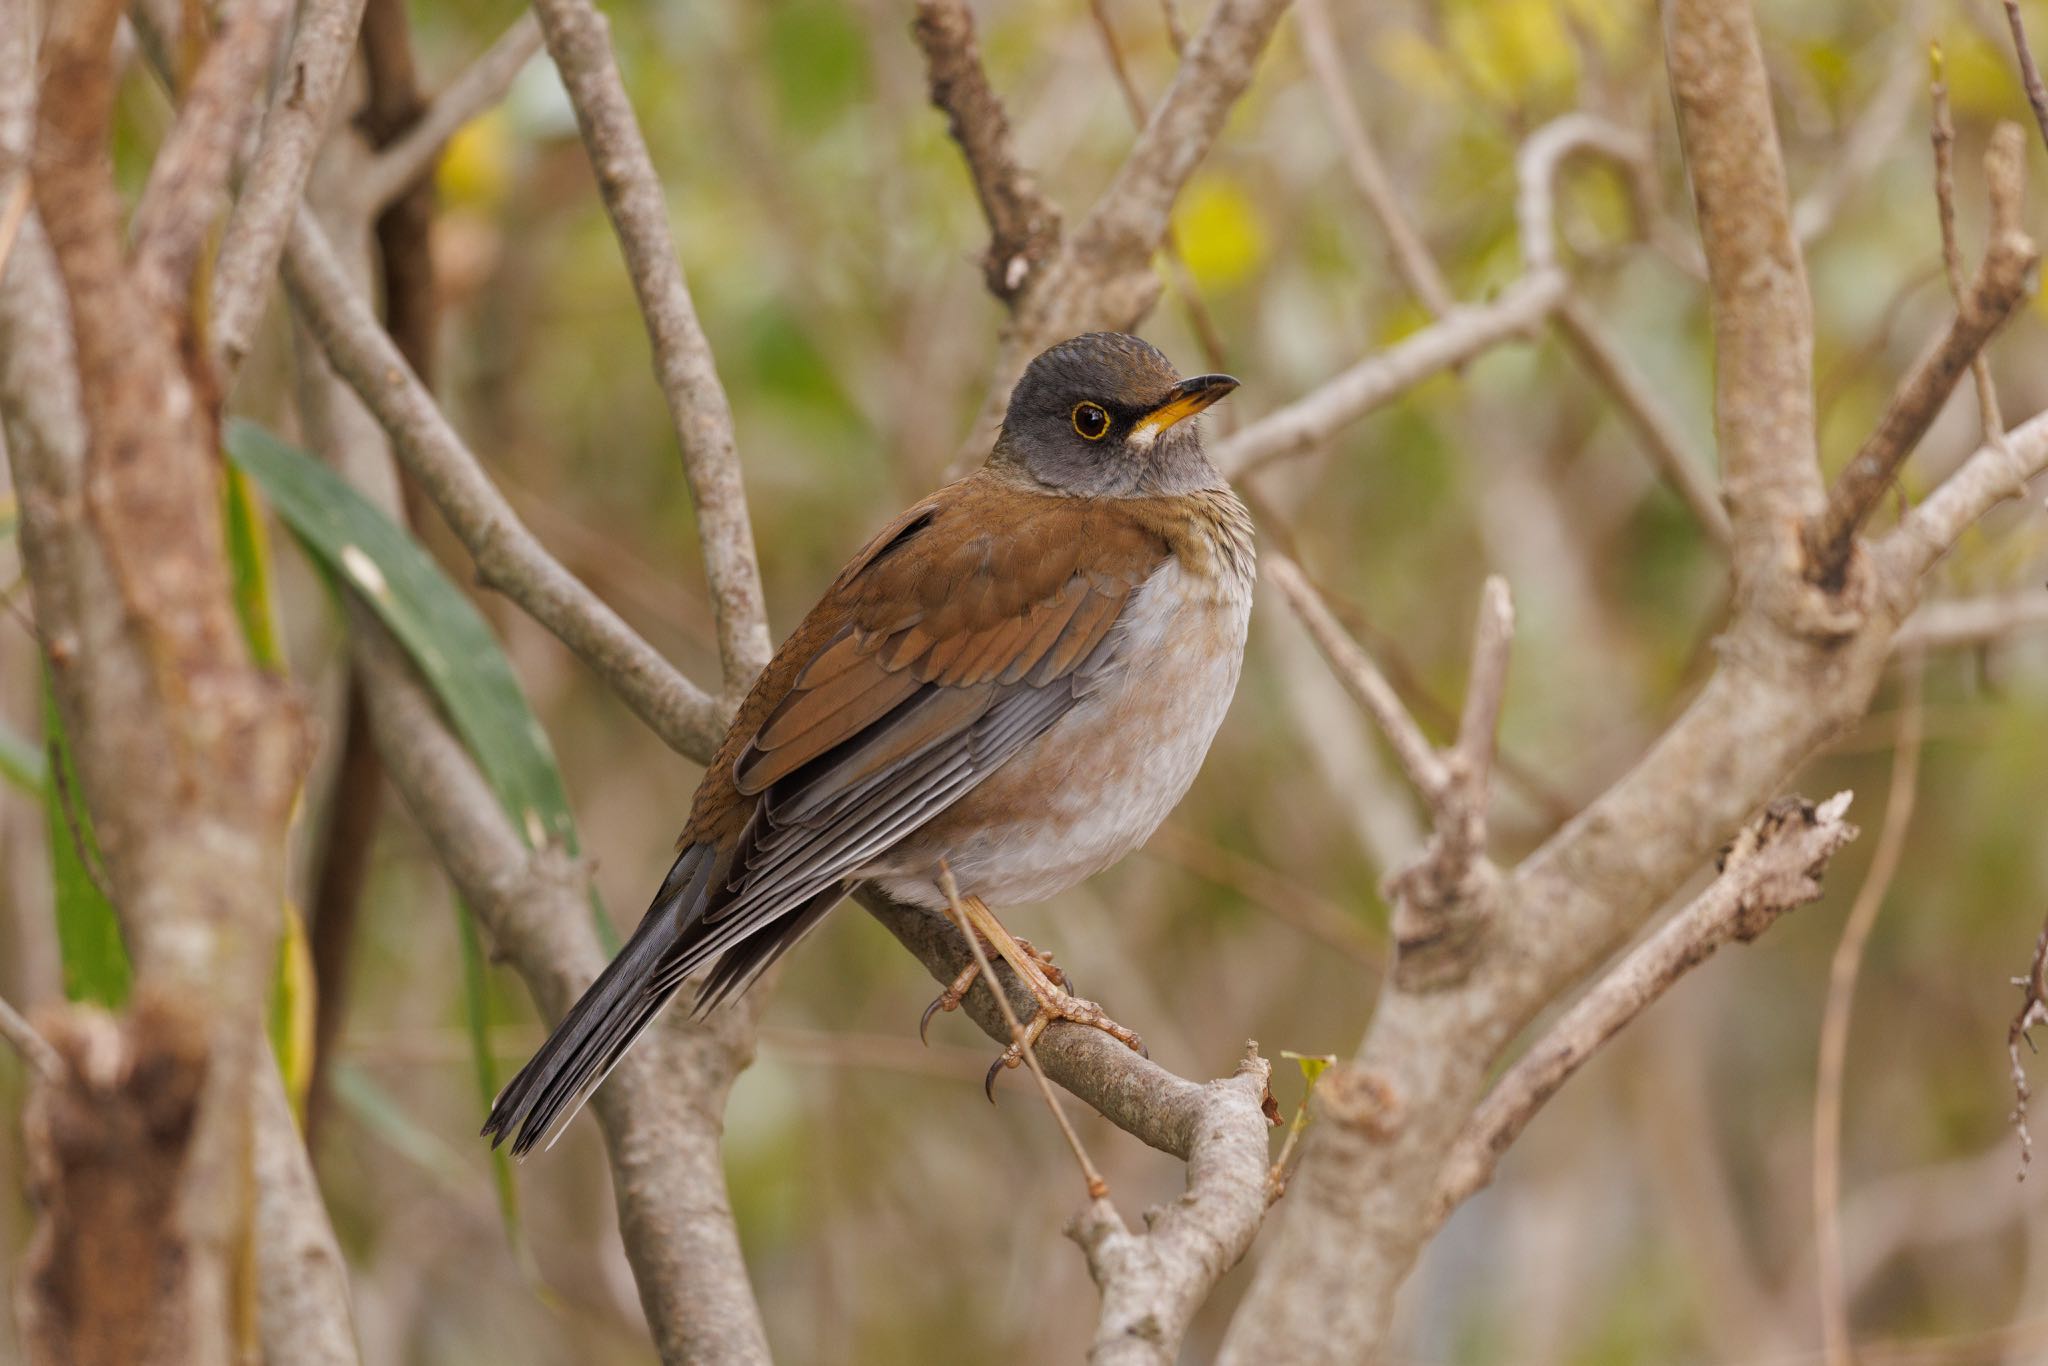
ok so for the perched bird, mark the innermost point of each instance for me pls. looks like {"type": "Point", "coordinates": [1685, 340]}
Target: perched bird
{"type": "Point", "coordinates": [1015, 680]}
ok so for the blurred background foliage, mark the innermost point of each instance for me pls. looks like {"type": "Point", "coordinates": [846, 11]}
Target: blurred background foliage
{"type": "Point", "coordinates": [1660, 1210]}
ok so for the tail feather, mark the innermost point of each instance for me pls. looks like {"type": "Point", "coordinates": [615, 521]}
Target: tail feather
{"type": "Point", "coordinates": [598, 1030]}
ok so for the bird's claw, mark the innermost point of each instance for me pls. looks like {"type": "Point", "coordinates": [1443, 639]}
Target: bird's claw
{"type": "Point", "coordinates": [1073, 1010]}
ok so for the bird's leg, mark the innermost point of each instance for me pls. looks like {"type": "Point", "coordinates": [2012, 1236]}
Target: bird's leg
{"type": "Point", "coordinates": [1036, 972]}
{"type": "Point", "coordinates": [956, 991]}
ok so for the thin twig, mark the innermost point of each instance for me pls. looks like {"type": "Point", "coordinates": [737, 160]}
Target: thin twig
{"type": "Point", "coordinates": [1493, 637]}
{"type": "Point", "coordinates": [1996, 291]}
{"type": "Point", "coordinates": [1843, 971]}
{"type": "Point", "coordinates": [35, 1050]}
{"type": "Point", "coordinates": [1362, 679]}
{"type": "Point", "coordinates": [1684, 470]}
{"type": "Point", "coordinates": [1943, 136]}
{"type": "Point", "coordinates": [2030, 75]}
{"type": "Point", "coordinates": [67, 804]}
{"type": "Point", "coordinates": [2033, 1010]}
{"type": "Point", "coordinates": [482, 84]}
{"type": "Point", "coordinates": [1952, 623]}
{"type": "Point", "coordinates": [1097, 1188]}
{"type": "Point", "coordinates": [1411, 255]}
{"type": "Point", "coordinates": [578, 39]}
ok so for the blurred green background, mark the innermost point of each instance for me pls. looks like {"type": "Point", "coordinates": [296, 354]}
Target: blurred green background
{"type": "Point", "coordinates": [1660, 1209]}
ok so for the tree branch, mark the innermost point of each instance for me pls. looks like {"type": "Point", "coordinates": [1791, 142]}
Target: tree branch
{"type": "Point", "coordinates": [1762, 316]}
{"type": "Point", "coordinates": [1774, 866]}
{"type": "Point", "coordinates": [1153, 1283]}
{"type": "Point", "coordinates": [577, 38]}
{"type": "Point", "coordinates": [276, 179]}
{"type": "Point", "coordinates": [2000, 284]}
{"type": "Point", "coordinates": [1024, 226]}
{"type": "Point", "coordinates": [190, 171]}
{"type": "Point", "coordinates": [1951, 623]}
{"type": "Point", "coordinates": [508, 557]}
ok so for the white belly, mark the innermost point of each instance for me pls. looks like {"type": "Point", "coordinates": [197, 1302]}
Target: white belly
{"type": "Point", "coordinates": [1105, 775]}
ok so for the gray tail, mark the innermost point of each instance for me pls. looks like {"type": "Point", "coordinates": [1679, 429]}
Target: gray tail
{"type": "Point", "coordinates": [549, 1091]}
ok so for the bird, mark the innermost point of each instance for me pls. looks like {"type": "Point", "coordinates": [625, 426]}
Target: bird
{"type": "Point", "coordinates": [1004, 692]}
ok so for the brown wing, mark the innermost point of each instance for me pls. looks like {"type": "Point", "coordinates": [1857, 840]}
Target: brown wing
{"type": "Point", "coordinates": [959, 634]}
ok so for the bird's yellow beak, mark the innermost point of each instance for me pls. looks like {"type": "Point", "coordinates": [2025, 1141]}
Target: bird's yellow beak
{"type": "Point", "coordinates": [1184, 400]}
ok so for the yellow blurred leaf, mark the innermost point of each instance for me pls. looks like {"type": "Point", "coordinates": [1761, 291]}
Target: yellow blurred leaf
{"type": "Point", "coordinates": [1513, 50]}
{"type": "Point", "coordinates": [1415, 62]}
{"type": "Point", "coordinates": [1221, 237]}
{"type": "Point", "coordinates": [478, 163]}
{"type": "Point", "coordinates": [291, 1010]}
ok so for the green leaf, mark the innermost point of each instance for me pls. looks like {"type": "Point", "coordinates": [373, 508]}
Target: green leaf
{"type": "Point", "coordinates": [249, 563]}
{"type": "Point", "coordinates": [88, 933]}
{"type": "Point", "coordinates": [445, 635]}
{"type": "Point", "coordinates": [21, 763]}
{"type": "Point", "coordinates": [1311, 1065]}
{"type": "Point", "coordinates": [476, 987]}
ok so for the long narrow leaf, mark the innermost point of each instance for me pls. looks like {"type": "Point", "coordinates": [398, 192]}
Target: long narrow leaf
{"type": "Point", "coordinates": [445, 635]}
{"type": "Point", "coordinates": [249, 562]}
{"type": "Point", "coordinates": [88, 934]}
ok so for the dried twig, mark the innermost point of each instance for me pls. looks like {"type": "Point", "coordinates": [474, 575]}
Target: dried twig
{"type": "Point", "coordinates": [1997, 289]}
{"type": "Point", "coordinates": [401, 163]}
{"type": "Point", "coordinates": [578, 39]}
{"type": "Point", "coordinates": [276, 179]}
{"type": "Point", "coordinates": [1771, 868]}
{"type": "Point", "coordinates": [508, 557]}
{"type": "Point", "coordinates": [1843, 970]}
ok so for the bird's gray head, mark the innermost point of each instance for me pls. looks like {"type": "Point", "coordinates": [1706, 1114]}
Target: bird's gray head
{"type": "Point", "coordinates": [1106, 415]}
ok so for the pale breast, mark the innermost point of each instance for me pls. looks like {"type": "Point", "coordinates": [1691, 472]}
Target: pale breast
{"type": "Point", "coordinates": [1102, 778]}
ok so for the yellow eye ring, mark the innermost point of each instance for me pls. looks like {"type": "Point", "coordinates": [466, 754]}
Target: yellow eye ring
{"type": "Point", "coordinates": [1090, 421]}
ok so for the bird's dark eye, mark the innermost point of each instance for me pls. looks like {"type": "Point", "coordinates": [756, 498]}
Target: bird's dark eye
{"type": "Point", "coordinates": [1091, 421]}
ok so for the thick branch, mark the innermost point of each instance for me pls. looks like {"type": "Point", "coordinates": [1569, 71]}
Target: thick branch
{"type": "Point", "coordinates": [1024, 226]}
{"type": "Point", "coordinates": [508, 556]}
{"type": "Point", "coordinates": [578, 39]}
{"type": "Point", "coordinates": [276, 178]}
{"type": "Point", "coordinates": [1999, 286]}
{"type": "Point", "coordinates": [1774, 866]}
{"type": "Point", "coordinates": [1762, 317]}
{"type": "Point", "coordinates": [1153, 1282]}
